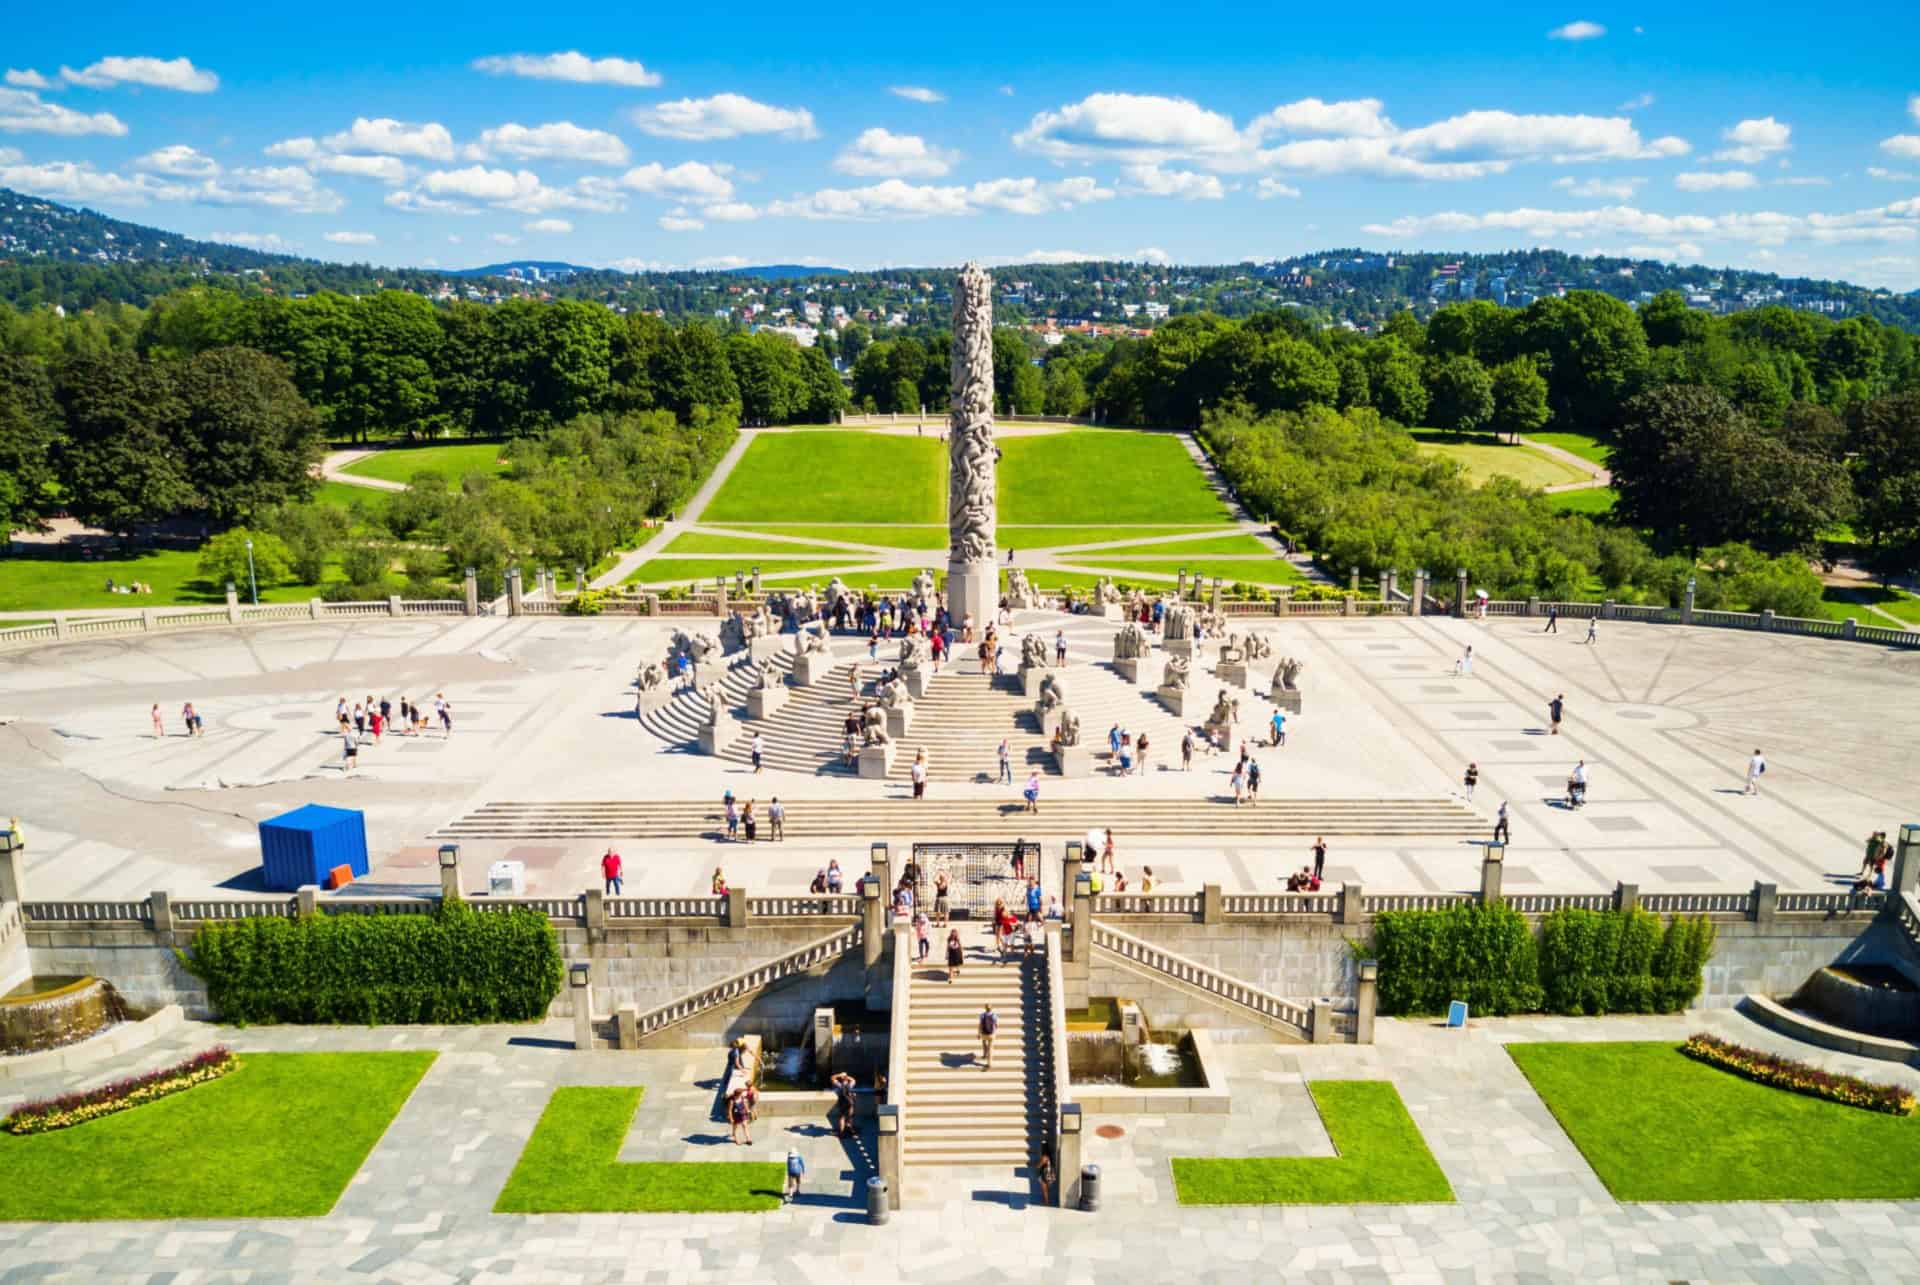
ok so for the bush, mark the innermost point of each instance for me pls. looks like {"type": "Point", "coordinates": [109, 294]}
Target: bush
{"type": "Point", "coordinates": [1684, 951]}
{"type": "Point", "coordinates": [1594, 961]}
{"type": "Point", "coordinates": [1798, 1077]}
{"type": "Point", "coordinates": [1483, 955]}
{"type": "Point", "coordinates": [588, 602]}
{"type": "Point", "coordinates": [454, 965]}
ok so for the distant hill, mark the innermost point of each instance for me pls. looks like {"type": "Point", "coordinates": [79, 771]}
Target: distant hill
{"type": "Point", "coordinates": [523, 267]}
{"type": "Point", "coordinates": [36, 228]}
{"type": "Point", "coordinates": [787, 272]}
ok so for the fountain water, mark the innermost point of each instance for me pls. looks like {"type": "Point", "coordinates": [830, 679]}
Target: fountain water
{"type": "Point", "coordinates": [46, 1012]}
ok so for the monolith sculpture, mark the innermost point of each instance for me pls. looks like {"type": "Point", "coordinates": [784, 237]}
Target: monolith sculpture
{"type": "Point", "coordinates": [972, 570]}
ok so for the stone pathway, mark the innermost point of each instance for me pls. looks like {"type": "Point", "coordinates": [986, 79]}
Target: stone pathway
{"type": "Point", "coordinates": [1597, 475]}
{"type": "Point", "coordinates": [333, 469]}
{"type": "Point", "coordinates": [684, 519]}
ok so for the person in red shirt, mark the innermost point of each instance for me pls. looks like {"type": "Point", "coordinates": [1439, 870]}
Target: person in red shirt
{"type": "Point", "coordinates": [610, 872]}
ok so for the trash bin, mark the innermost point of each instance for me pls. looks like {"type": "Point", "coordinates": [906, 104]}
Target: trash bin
{"type": "Point", "coordinates": [876, 1200]}
{"type": "Point", "coordinates": [1090, 1188]}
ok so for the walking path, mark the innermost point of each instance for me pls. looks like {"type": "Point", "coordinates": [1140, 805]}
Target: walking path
{"type": "Point", "coordinates": [333, 469]}
{"type": "Point", "coordinates": [1597, 475]}
{"type": "Point", "coordinates": [684, 518]}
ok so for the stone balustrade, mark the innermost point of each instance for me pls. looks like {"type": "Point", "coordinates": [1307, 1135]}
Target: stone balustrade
{"type": "Point", "coordinates": [1269, 1008]}
{"type": "Point", "coordinates": [744, 984]}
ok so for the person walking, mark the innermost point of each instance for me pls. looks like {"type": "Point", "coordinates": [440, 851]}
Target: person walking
{"type": "Point", "coordinates": [732, 811]}
{"type": "Point", "coordinates": [349, 753]}
{"type": "Point", "coordinates": [1555, 709]}
{"type": "Point", "coordinates": [843, 1098]}
{"type": "Point", "coordinates": [1502, 831]}
{"type": "Point", "coordinates": [1060, 648]}
{"type": "Point", "coordinates": [1253, 782]}
{"type": "Point", "coordinates": [611, 870]}
{"type": "Point", "coordinates": [1006, 763]}
{"type": "Point", "coordinates": [777, 820]}
{"type": "Point", "coordinates": [747, 822]}
{"type": "Point", "coordinates": [759, 748]}
{"type": "Point", "coordinates": [1553, 620]}
{"type": "Point", "coordinates": [955, 954]}
{"type": "Point", "coordinates": [796, 1170]}
{"type": "Point", "coordinates": [1106, 865]}
{"type": "Point", "coordinates": [159, 726]}
{"type": "Point", "coordinates": [1186, 751]}
{"type": "Point", "coordinates": [1239, 782]}
{"type": "Point", "coordinates": [1279, 727]}
{"type": "Point", "coordinates": [1032, 792]}
{"type": "Point", "coordinates": [941, 905]}
{"type": "Point", "coordinates": [1471, 779]}
{"type": "Point", "coordinates": [1140, 754]}
{"type": "Point", "coordinates": [445, 709]}
{"type": "Point", "coordinates": [740, 1116]}
{"type": "Point", "coordinates": [989, 1027]}
{"type": "Point", "coordinates": [923, 945]}
{"type": "Point", "coordinates": [1033, 901]}
{"type": "Point", "coordinates": [1319, 858]}
{"type": "Point", "coordinates": [359, 721]}
{"type": "Point", "coordinates": [1463, 668]}
{"type": "Point", "coordinates": [834, 884]}
{"type": "Point", "coordinates": [1043, 1172]}
{"type": "Point", "coordinates": [1756, 766]}
{"type": "Point", "coordinates": [1593, 629]}
{"type": "Point", "coordinates": [918, 774]}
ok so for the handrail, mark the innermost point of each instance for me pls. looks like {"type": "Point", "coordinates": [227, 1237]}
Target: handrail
{"type": "Point", "coordinates": [85, 912]}
{"type": "Point", "coordinates": [12, 923]}
{"type": "Point", "coordinates": [1057, 1026]}
{"type": "Point", "coordinates": [1269, 1007]}
{"type": "Point", "coordinates": [747, 981]}
{"type": "Point", "coordinates": [901, 1030]}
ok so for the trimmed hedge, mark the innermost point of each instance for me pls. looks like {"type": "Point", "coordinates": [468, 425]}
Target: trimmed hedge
{"type": "Point", "coordinates": [1585, 961]}
{"type": "Point", "coordinates": [454, 965]}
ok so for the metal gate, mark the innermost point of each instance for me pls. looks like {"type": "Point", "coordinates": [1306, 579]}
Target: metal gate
{"type": "Point", "coordinates": [978, 874]}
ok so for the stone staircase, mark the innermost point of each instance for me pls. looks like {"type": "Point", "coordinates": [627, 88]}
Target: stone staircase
{"type": "Point", "coordinates": [679, 720]}
{"type": "Point", "coordinates": [956, 1112]}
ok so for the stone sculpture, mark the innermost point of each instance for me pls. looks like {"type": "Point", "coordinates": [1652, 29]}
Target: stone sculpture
{"type": "Point", "coordinates": [1287, 677]}
{"type": "Point", "coordinates": [914, 653]}
{"type": "Point", "coordinates": [892, 695]}
{"type": "Point", "coordinates": [765, 675]}
{"type": "Point", "coordinates": [1177, 673]}
{"type": "Point", "coordinates": [972, 571]}
{"type": "Point", "coordinates": [1105, 593]}
{"type": "Point", "coordinates": [1258, 648]}
{"type": "Point", "coordinates": [840, 599]}
{"type": "Point", "coordinates": [923, 593]}
{"type": "Point", "coordinates": [1176, 623]}
{"type": "Point", "coordinates": [1225, 713]}
{"type": "Point", "coordinates": [650, 677]}
{"type": "Point", "coordinates": [873, 726]}
{"type": "Point", "coordinates": [1069, 729]}
{"type": "Point", "coordinates": [716, 702]}
{"type": "Point", "coordinates": [1033, 652]}
{"type": "Point", "coordinates": [1053, 692]}
{"type": "Point", "coordinates": [740, 629]}
{"type": "Point", "coordinates": [1131, 642]}
{"type": "Point", "coordinates": [1230, 650]}
{"type": "Point", "coordinates": [1022, 595]}
{"type": "Point", "coordinates": [809, 642]}
{"type": "Point", "coordinates": [698, 646]}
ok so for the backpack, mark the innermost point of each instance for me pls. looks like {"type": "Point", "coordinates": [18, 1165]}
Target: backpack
{"type": "Point", "coordinates": [989, 1023]}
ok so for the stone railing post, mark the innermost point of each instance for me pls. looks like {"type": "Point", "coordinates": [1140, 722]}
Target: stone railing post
{"type": "Point", "coordinates": [13, 868]}
{"type": "Point", "coordinates": [60, 626]}
{"type": "Point", "coordinates": [1533, 606]}
{"type": "Point", "coordinates": [887, 1128]}
{"type": "Point", "coordinates": [1460, 594]}
{"type": "Point", "coordinates": [306, 900]}
{"type": "Point", "coordinates": [1349, 606]}
{"type": "Point", "coordinates": [1626, 897]}
{"type": "Point", "coordinates": [1353, 580]}
{"type": "Point", "coordinates": [316, 608]}
{"type": "Point", "coordinates": [1417, 604]}
{"type": "Point", "coordinates": [471, 591]}
{"type": "Point", "coordinates": [1766, 901]}
{"type": "Point", "coordinates": [1366, 1001]}
{"type": "Point", "coordinates": [233, 604]}
{"type": "Point", "coordinates": [513, 591]}
{"type": "Point", "coordinates": [736, 907]}
{"type": "Point", "coordinates": [873, 922]}
{"type": "Point", "coordinates": [580, 993]}
{"type": "Point", "coordinates": [1686, 605]}
{"type": "Point", "coordinates": [1850, 628]}
{"type": "Point", "coordinates": [149, 619]}
{"type": "Point", "coordinates": [1353, 904]}
{"type": "Point", "coordinates": [1080, 921]}
{"type": "Point", "coordinates": [160, 907]}
{"type": "Point", "coordinates": [579, 579]}
{"type": "Point", "coordinates": [1320, 1021]}
{"type": "Point", "coordinates": [1766, 620]}
{"type": "Point", "coordinates": [1212, 904]}
{"type": "Point", "coordinates": [1069, 1157]}
{"type": "Point", "coordinates": [1606, 610]}
{"type": "Point", "coordinates": [596, 912]}
{"type": "Point", "coordinates": [1388, 584]}
{"type": "Point", "coordinates": [822, 1040]}
{"type": "Point", "coordinates": [880, 864]}
{"type": "Point", "coordinates": [1491, 866]}
{"type": "Point", "coordinates": [394, 608]}
{"type": "Point", "coordinates": [1906, 862]}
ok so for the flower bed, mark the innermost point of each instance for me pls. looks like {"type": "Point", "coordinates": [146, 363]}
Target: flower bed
{"type": "Point", "coordinates": [1798, 1077]}
{"type": "Point", "coordinates": [70, 1109]}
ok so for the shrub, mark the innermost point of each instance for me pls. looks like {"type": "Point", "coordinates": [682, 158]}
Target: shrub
{"type": "Point", "coordinates": [588, 602]}
{"type": "Point", "coordinates": [457, 964]}
{"type": "Point", "coordinates": [69, 1109]}
{"type": "Point", "coordinates": [1798, 1077]}
{"type": "Point", "coordinates": [1683, 952]}
{"type": "Point", "coordinates": [1484, 955]}
{"type": "Point", "coordinates": [1594, 961]}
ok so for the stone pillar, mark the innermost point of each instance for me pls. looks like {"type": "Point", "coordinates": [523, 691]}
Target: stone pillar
{"type": "Point", "coordinates": [1069, 1157]}
{"type": "Point", "coordinates": [149, 620]}
{"type": "Point", "coordinates": [1766, 901]}
{"type": "Point", "coordinates": [13, 869]}
{"type": "Point", "coordinates": [1491, 865]}
{"type": "Point", "coordinates": [1353, 904]}
{"type": "Point", "coordinates": [1606, 610]}
{"type": "Point", "coordinates": [394, 607]}
{"type": "Point", "coordinates": [1626, 896]}
{"type": "Point", "coordinates": [160, 906]}
{"type": "Point", "coordinates": [1388, 583]}
{"type": "Point", "coordinates": [1460, 594]}
{"type": "Point", "coordinates": [471, 592]}
{"type": "Point", "coordinates": [887, 1127]}
{"type": "Point", "coordinates": [1766, 619]}
{"type": "Point", "coordinates": [880, 864]}
{"type": "Point", "coordinates": [873, 922]}
{"type": "Point", "coordinates": [973, 574]}
{"type": "Point", "coordinates": [233, 604]}
{"type": "Point", "coordinates": [513, 591]}
{"type": "Point", "coordinates": [1686, 605]}
{"type": "Point", "coordinates": [306, 900]}
{"type": "Point", "coordinates": [1418, 603]}
{"type": "Point", "coordinates": [1133, 1023]}
{"type": "Point", "coordinates": [721, 589]}
{"type": "Point", "coordinates": [579, 578]}
{"type": "Point", "coordinates": [1366, 1001]}
{"type": "Point", "coordinates": [316, 608]}
{"type": "Point", "coordinates": [626, 1022]}
{"type": "Point", "coordinates": [1180, 589]}
{"type": "Point", "coordinates": [736, 907]}
{"type": "Point", "coordinates": [1215, 596]}
{"type": "Point", "coordinates": [1320, 1022]}
{"type": "Point", "coordinates": [823, 1040]}
{"type": "Point", "coordinates": [1353, 580]}
{"type": "Point", "coordinates": [1349, 606]}
{"type": "Point", "coordinates": [1850, 628]}
{"type": "Point", "coordinates": [1533, 606]}
{"type": "Point", "coordinates": [60, 626]}
{"type": "Point", "coordinates": [580, 992]}
{"type": "Point", "coordinates": [1212, 904]}
{"type": "Point", "coordinates": [1906, 860]}
{"type": "Point", "coordinates": [1081, 918]}
{"type": "Point", "coordinates": [595, 905]}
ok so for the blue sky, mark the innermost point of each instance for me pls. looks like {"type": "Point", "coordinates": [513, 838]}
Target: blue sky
{"type": "Point", "coordinates": [698, 135]}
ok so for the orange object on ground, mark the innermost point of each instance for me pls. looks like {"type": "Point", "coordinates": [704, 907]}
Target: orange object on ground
{"type": "Point", "coordinates": [339, 877]}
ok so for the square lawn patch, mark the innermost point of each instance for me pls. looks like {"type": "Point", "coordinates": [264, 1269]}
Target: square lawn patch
{"type": "Point", "coordinates": [1382, 1159]}
{"type": "Point", "coordinates": [571, 1165]}
{"type": "Point", "coordinates": [279, 1137]}
{"type": "Point", "coordinates": [1102, 476]}
{"type": "Point", "coordinates": [1686, 1131]}
{"type": "Point", "coordinates": [835, 477]}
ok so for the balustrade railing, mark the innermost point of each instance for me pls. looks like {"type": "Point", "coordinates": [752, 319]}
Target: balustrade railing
{"type": "Point", "coordinates": [746, 982]}
{"type": "Point", "coordinates": [86, 912]}
{"type": "Point", "coordinates": [1281, 903]}
{"type": "Point", "coordinates": [1828, 902]}
{"type": "Point", "coordinates": [1697, 903]}
{"type": "Point", "coordinates": [666, 908]}
{"type": "Point", "coordinates": [1147, 903]}
{"type": "Point", "coordinates": [1380, 903]}
{"type": "Point", "coordinates": [1545, 903]}
{"type": "Point", "coordinates": [12, 924]}
{"type": "Point", "coordinates": [1179, 968]}
{"type": "Point", "coordinates": [1057, 1055]}
{"type": "Point", "coordinates": [811, 906]}
{"type": "Point", "coordinates": [1910, 918]}
{"type": "Point", "coordinates": [285, 909]}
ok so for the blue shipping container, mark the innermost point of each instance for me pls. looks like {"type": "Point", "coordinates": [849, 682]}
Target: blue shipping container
{"type": "Point", "coordinates": [301, 846]}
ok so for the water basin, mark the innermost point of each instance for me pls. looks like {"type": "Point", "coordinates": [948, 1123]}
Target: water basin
{"type": "Point", "coordinates": [46, 1012]}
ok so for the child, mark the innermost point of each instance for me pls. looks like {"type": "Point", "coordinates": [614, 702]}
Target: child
{"type": "Point", "coordinates": [796, 1170]}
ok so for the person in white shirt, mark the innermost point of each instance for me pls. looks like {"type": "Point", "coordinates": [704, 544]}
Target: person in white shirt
{"type": "Point", "coordinates": [1755, 766]}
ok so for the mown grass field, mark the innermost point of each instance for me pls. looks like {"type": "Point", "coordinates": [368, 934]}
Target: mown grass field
{"type": "Point", "coordinates": [1838, 603]}
{"type": "Point", "coordinates": [400, 463]}
{"type": "Point", "coordinates": [30, 583]}
{"type": "Point", "coordinates": [1585, 445]}
{"type": "Point", "coordinates": [345, 495]}
{"type": "Point", "coordinates": [279, 1137]}
{"type": "Point", "coordinates": [1237, 545]}
{"type": "Point", "coordinates": [661, 571]}
{"type": "Point", "coordinates": [704, 542]}
{"type": "Point", "coordinates": [894, 537]}
{"type": "Point", "coordinates": [1686, 1131]}
{"type": "Point", "coordinates": [1594, 501]}
{"type": "Point", "coordinates": [1484, 456]}
{"type": "Point", "coordinates": [841, 477]}
{"type": "Point", "coordinates": [1262, 571]}
{"type": "Point", "coordinates": [1102, 476]}
{"type": "Point", "coordinates": [1010, 536]}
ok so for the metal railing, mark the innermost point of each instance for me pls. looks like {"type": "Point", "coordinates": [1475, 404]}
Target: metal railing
{"type": "Point", "coordinates": [749, 981]}
{"type": "Point", "coordinates": [1265, 1005]}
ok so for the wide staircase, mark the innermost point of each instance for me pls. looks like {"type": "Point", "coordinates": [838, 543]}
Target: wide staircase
{"type": "Point", "coordinates": [957, 1112]}
{"type": "Point", "coordinates": [681, 718]}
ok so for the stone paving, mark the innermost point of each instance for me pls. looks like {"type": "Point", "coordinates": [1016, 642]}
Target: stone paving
{"type": "Point", "coordinates": [1528, 1206]}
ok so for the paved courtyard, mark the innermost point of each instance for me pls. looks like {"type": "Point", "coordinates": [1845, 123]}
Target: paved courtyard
{"type": "Point", "coordinates": [1664, 717]}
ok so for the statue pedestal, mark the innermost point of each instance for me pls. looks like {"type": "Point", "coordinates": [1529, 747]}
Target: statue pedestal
{"type": "Point", "coordinates": [1143, 671]}
{"type": "Point", "coordinates": [1031, 676]}
{"type": "Point", "coordinates": [1180, 647]}
{"type": "Point", "coordinates": [760, 650]}
{"type": "Point", "coordinates": [715, 737]}
{"type": "Point", "coordinates": [652, 698]}
{"type": "Point", "coordinates": [918, 681]}
{"type": "Point", "coordinates": [765, 702]}
{"type": "Point", "coordinates": [973, 588]}
{"type": "Point", "coordinates": [1231, 671]}
{"type": "Point", "coordinates": [899, 719]}
{"type": "Point", "coordinates": [1175, 699]}
{"type": "Point", "coordinates": [876, 762]}
{"type": "Point", "coordinates": [811, 667]}
{"type": "Point", "coordinates": [1114, 611]}
{"type": "Point", "coordinates": [1047, 718]}
{"type": "Point", "coordinates": [1074, 760]}
{"type": "Point", "coordinates": [1287, 700]}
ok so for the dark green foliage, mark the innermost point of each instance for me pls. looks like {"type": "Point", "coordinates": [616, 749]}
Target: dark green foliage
{"type": "Point", "coordinates": [1595, 961]}
{"type": "Point", "coordinates": [1483, 955]}
{"type": "Point", "coordinates": [457, 964]}
{"type": "Point", "coordinates": [1684, 950]}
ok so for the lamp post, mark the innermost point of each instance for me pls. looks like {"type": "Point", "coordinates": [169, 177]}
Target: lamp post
{"type": "Point", "coordinates": [253, 585]}
{"type": "Point", "coordinates": [450, 871]}
{"type": "Point", "coordinates": [579, 975]}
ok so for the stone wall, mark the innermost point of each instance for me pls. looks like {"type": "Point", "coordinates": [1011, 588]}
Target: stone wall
{"type": "Point", "coordinates": [141, 966]}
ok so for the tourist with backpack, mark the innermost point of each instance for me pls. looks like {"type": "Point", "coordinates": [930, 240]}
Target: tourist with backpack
{"type": "Point", "coordinates": [989, 1027]}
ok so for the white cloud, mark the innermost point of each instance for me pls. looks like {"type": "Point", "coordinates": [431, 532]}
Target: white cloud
{"type": "Point", "coordinates": [680, 223]}
{"type": "Point", "coordinates": [1892, 176]}
{"type": "Point", "coordinates": [1754, 141]}
{"type": "Point", "coordinates": [519, 190]}
{"type": "Point", "coordinates": [917, 93]}
{"type": "Point", "coordinates": [298, 149]}
{"type": "Point", "coordinates": [1637, 103]}
{"type": "Point", "coordinates": [1899, 145]}
{"type": "Point", "coordinates": [1725, 181]}
{"type": "Point", "coordinates": [1146, 128]}
{"type": "Point", "coordinates": [723, 116]}
{"type": "Point", "coordinates": [504, 238]}
{"type": "Point", "coordinates": [730, 212]}
{"type": "Point", "coordinates": [1803, 181]}
{"type": "Point", "coordinates": [386, 169]}
{"type": "Point", "coordinates": [1678, 250]}
{"type": "Point", "coordinates": [554, 227]}
{"type": "Point", "coordinates": [721, 262]}
{"type": "Point", "coordinates": [1899, 221]}
{"type": "Point", "coordinates": [1269, 188]}
{"type": "Point", "coordinates": [11, 156]}
{"type": "Point", "coordinates": [27, 78]}
{"type": "Point", "coordinates": [156, 73]}
{"type": "Point", "coordinates": [453, 239]}
{"type": "Point", "coordinates": [1913, 107]}
{"type": "Point", "coordinates": [22, 112]}
{"type": "Point", "coordinates": [1147, 254]}
{"type": "Point", "coordinates": [385, 136]}
{"type": "Point", "coordinates": [1620, 189]}
{"type": "Point", "coordinates": [880, 153]}
{"type": "Point", "coordinates": [293, 191]}
{"type": "Point", "coordinates": [559, 140]}
{"type": "Point", "coordinates": [350, 238]}
{"type": "Point", "coordinates": [637, 265]}
{"type": "Point", "coordinates": [1500, 135]}
{"type": "Point", "coordinates": [689, 180]}
{"type": "Point", "coordinates": [1581, 30]}
{"type": "Point", "coordinates": [894, 199]}
{"type": "Point", "coordinates": [180, 161]}
{"type": "Point", "coordinates": [283, 187]}
{"type": "Point", "coordinates": [1358, 117]}
{"type": "Point", "coordinates": [576, 67]}
{"type": "Point", "coordinates": [254, 240]}
{"type": "Point", "coordinates": [81, 183]}
{"type": "Point", "coordinates": [419, 203]}
{"type": "Point", "coordinates": [1188, 185]}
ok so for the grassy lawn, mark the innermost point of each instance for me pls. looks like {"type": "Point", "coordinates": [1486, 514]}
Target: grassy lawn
{"type": "Point", "coordinates": [893, 537]}
{"type": "Point", "coordinates": [345, 495]}
{"type": "Point", "coordinates": [1594, 501]}
{"type": "Point", "coordinates": [676, 570]}
{"type": "Point", "coordinates": [1484, 456]}
{"type": "Point", "coordinates": [1687, 1131]}
{"type": "Point", "coordinates": [1102, 476]}
{"type": "Point", "coordinates": [1382, 1159]}
{"type": "Point", "coordinates": [1009, 536]}
{"type": "Point", "coordinates": [835, 477]}
{"type": "Point", "coordinates": [1585, 445]}
{"type": "Point", "coordinates": [1837, 603]}
{"type": "Point", "coordinates": [1239, 545]}
{"type": "Point", "coordinates": [1268, 570]}
{"type": "Point", "coordinates": [702, 542]}
{"type": "Point", "coordinates": [571, 1166]}
{"type": "Point", "coordinates": [29, 583]}
{"type": "Point", "coordinates": [400, 463]}
{"type": "Point", "coordinates": [859, 578]}
{"type": "Point", "coordinates": [278, 1138]}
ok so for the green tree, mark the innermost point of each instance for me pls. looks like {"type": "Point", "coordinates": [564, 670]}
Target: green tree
{"type": "Point", "coordinates": [120, 464]}
{"type": "Point", "coordinates": [223, 559]}
{"type": "Point", "coordinates": [29, 435]}
{"type": "Point", "coordinates": [1460, 394]}
{"type": "Point", "coordinates": [822, 394]}
{"type": "Point", "coordinates": [1886, 436]}
{"type": "Point", "coordinates": [1519, 398]}
{"type": "Point", "coordinates": [396, 347]}
{"type": "Point", "coordinates": [312, 534]}
{"type": "Point", "coordinates": [696, 373]}
{"type": "Point", "coordinates": [1292, 374]}
{"type": "Point", "coordinates": [1670, 323]}
{"type": "Point", "coordinates": [1393, 380]}
{"type": "Point", "coordinates": [249, 441]}
{"type": "Point", "coordinates": [1029, 390]}
{"type": "Point", "coordinates": [1066, 391]}
{"type": "Point", "coordinates": [1592, 351]}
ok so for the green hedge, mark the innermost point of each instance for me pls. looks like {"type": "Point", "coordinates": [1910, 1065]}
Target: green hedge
{"type": "Point", "coordinates": [454, 965]}
{"type": "Point", "coordinates": [1585, 961]}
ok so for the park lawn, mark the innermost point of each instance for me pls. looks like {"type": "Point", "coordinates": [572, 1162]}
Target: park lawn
{"type": "Point", "coordinates": [1382, 1159]}
{"type": "Point", "coordinates": [849, 477]}
{"type": "Point", "coordinates": [30, 583]}
{"type": "Point", "coordinates": [1588, 447]}
{"type": "Point", "coordinates": [676, 570]}
{"type": "Point", "coordinates": [707, 542]}
{"type": "Point", "coordinates": [279, 1137]}
{"type": "Point", "coordinates": [1233, 545]}
{"type": "Point", "coordinates": [1102, 476]}
{"type": "Point", "coordinates": [892, 537]}
{"type": "Point", "coordinates": [1594, 501]}
{"type": "Point", "coordinates": [1484, 456]}
{"type": "Point", "coordinates": [400, 463]}
{"type": "Point", "coordinates": [571, 1165]}
{"type": "Point", "coordinates": [345, 495]}
{"type": "Point", "coordinates": [1686, 1131]}
{"type": "Point", "coordinates": [1838, 602]}
{"type": "Point", "coordinates": [1009, 536]}
{"type": "Point", "coordinates": [1268, 570]}
{"type": "Point", "coordinates": [858, 578]}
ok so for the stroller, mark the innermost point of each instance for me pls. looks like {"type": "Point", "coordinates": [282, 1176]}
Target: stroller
{"type": "Point", "coordinates": [1576, 792]}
